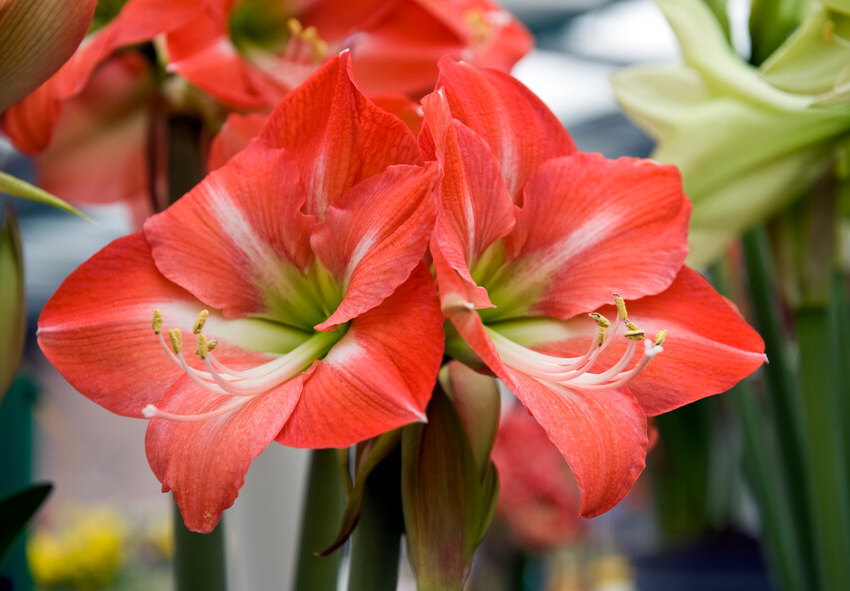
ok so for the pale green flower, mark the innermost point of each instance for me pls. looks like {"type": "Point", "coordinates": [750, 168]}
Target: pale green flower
{"type": "Point", "coordinates": [745, 147]}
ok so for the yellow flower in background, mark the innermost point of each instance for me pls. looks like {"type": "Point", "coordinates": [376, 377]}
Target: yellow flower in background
{"type": "Point", "coordinates": [85, 554]}
{"type": "Point", "coordinates": [746, 148]}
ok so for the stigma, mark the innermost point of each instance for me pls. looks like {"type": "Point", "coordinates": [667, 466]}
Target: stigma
{"type": "Point", "coordinates": [240, 386]}
{"type": "Point", "coordinates": [578, 372]}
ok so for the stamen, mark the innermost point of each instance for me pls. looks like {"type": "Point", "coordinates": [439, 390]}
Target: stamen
{"type": "Point", "coordinates": [621, 307]}
{"type": "Point", "coordinates": [240, 386]}
{"type": "Point", "coordinates": [633, 332]}
{"type": "Point", "coordinates": [575, 372]}
{"type": "Point", "coordinates": [603, 324]}
{"type": "Point", "coordinates": [203, 346]}
{"type": "Point", "coordinates": [176, 340]}
{"type": "Point", "coordinates": [199, 323]}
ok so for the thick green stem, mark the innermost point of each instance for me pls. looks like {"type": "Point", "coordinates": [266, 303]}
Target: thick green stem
{"type": "Point", "coordinates": [323, 508]}
{"type": "Point", "coordinates": [781, 539]}
{"type": "Point", "coordinates": [826, 458]}
{"type": "Point", "coordinates": [376, 541]}
{"type": "Point", "coordinates": [198, 558]}
{"type": "Point", "coordinates": [784, 398]}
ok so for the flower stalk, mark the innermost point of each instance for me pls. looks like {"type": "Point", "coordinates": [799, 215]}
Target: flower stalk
{"type": "Point", "coordinates": [323, 504]}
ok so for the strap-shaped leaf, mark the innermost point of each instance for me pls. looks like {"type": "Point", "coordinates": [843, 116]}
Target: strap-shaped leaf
{"type": "Point", "coordinates": [18, 188]}
{"type": "Point", "coordinates": [16, 510]}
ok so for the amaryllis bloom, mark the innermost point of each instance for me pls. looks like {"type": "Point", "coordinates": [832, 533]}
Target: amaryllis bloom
{"type": "Point", "coordinates": [538, 499]}
{"type": "Point", "coordinates": [562, 274]}
{"type": "Point", "coordinates": [283, 298]}
{"type": "Point", "coordinates": [249, 53]}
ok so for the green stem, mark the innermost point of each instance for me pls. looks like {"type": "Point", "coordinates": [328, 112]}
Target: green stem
{"type": "Point", "coordinates": [376, 540]}
{"type": "Point", "coordinates": [826, 458]}
{"type": "Point", "coordinates": [781, 539]}
{"type": "Point", "coordinates": [784, 396]}
{"type": "Point", "coordinates": [323, 508]}
{"type": "Point", "coordinates": [198, 558]}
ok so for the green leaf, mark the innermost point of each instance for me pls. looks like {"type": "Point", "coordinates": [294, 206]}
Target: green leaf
{"type": "Point", "coordinates": [369, 455]}
{"type": "Point", "coordinates": [12, 311]}
{"type": "Point", "coordinates": [18, 188]}
{"type": "Point", "coordinates": [16, 510]}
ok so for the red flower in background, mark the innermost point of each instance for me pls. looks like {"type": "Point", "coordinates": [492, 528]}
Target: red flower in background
{"type": "Point", "coordinates": [538, 497]}
{"type": "Point", "coordinates": [248, 54]}
{"type": "Point", "coordinates": [298, 281]}
{"type": "Point", "coordinates": [533, 239]}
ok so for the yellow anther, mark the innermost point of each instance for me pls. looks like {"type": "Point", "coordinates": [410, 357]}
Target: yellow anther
{"type": "Point", "coordinates": [600, 319]}
{"type": "Point", "coordinates": [203, 347]}
{"type": "Point", "coordinates": [476, 19]}
{"type": "Point", "coordinates": [294, 26]}
{"type": "Point", "coordinates": [176, 340]}
{"type": "Point", "coordinates": [211, 345]}
{"type": "Point", "coordinates": [659, 338]}
{"type": "Point", "coordinates": [634, 333]}
{"type": "Point", "coordinates": [199, 323]}
{"type": "Point", "coordinates": [621, 307]}
{"type": "Point", "coordinates": [310, 34]}
{"type": "Point", "coordinates": [156, 325]}
{"type": "Point", "coordinates": [828, 32]}
{"type": "Point", "coordinates": [320, 50]}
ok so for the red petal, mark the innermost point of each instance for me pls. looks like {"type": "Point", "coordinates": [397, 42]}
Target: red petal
{"type": "Point", "coordinates": [476, 208]}
{"type": "Point", "coordinates": [709, 347]}
{"type": "Point", "coordinates": [106, 123]}
{"type": "Point", "coordinates": [96, 329]}
{"type": "Point", "coordinates": [337, 135]}
{"type": "Point", "coordinates": [520, 130]}
{"type": "Point", "coordinates": [234, 136]}
{"type": "Point", "coordinates": [375, 236]}
{"type": "Point", "coordinates": [602, 435]}
{"type": "Point", "coordinates": [378, 377]}
{"type": "Point", "coordinates": [591, 227]}
{"type": "Point", "coordinates": [204, 463]}
{"type": "Point", "coordinates": [202, 53]}
{"type": "Point", "coordinates": [238, 241]}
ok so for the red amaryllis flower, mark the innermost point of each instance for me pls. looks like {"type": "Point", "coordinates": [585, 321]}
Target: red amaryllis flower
{"type": "Point", "coordinates": [533, 239]}
{"type": "Point", "coordinates": [249, 53]}
{"type": "Point", "coordinates": [538, 499]}
{"type": "Point", "coordinates": [307, 316]}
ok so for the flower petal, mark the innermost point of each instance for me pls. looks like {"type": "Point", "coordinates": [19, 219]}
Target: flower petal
{"type": "Point", "coordinates": [96, 329]}
{"type": "Point", "coordinates": [204, 462]}
{"type": "Point", "coordinates": [375, 236]}
{"type": "Point", "coordinates": [234, 136]}
{"type": "Point", "coordinates": [238, 241]}
{"type": "Point", "coordinates": [602, 435]}
{"type": "Point", "coordinates": [520, 130]}
{"type": "Point", "coordinates": [378, 377]}
{"type": "Point", "coordinates": [337, 135]}
{"type": "Point", "coordinates": [709, 347]}
{"type": "Point", "coordinates": [591, 227]}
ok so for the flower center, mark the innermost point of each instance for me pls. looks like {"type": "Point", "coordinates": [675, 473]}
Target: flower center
{"type": "Point", "coordinates": [268, 27]}
{"type": "Point", "coordinates": [241, 386]}
{"type": "Point", "coordinates": [575, 372]}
